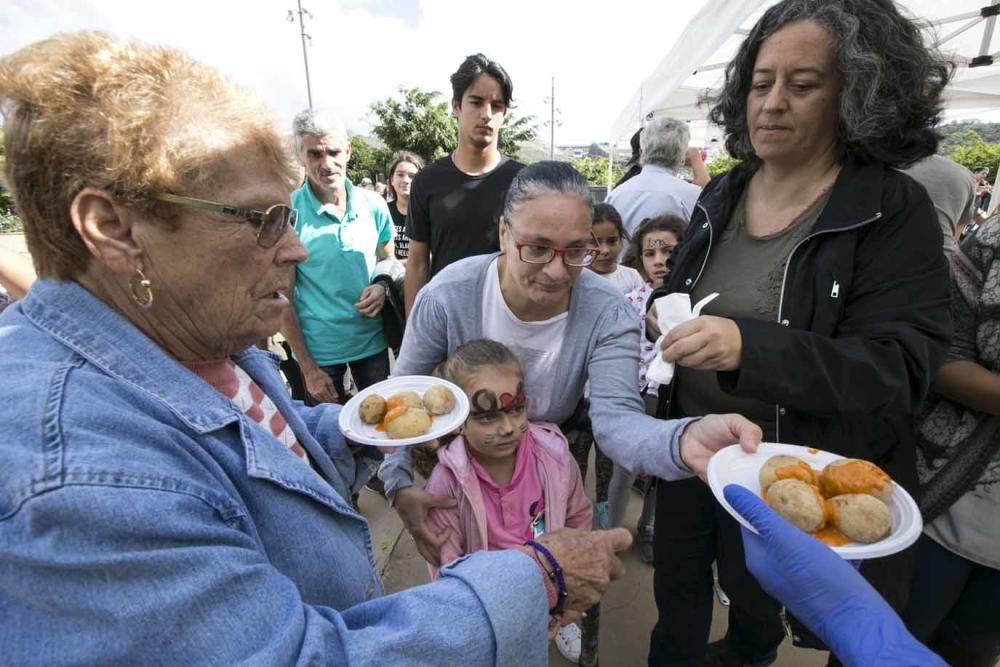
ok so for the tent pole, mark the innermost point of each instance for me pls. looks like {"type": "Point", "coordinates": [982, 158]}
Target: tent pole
{"type": "Point", "coordinates": [984, 46]}
{"type": "Point", "coordinates": [611, 163]}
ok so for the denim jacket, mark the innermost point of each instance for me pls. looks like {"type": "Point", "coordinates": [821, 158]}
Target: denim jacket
{"type": "Point", "coordinates": [145, 520]}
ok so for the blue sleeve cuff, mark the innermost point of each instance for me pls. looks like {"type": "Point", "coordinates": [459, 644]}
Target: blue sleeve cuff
{"type": "Point", "coordinates": [395, 473]}
{"type": "Point", "coordinates": [515, 603]}
{"type": "Point", "coordinates": [675, 445]}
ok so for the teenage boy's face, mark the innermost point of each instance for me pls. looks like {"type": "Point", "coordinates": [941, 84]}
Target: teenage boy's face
{"type": "Point", "coordinates": [481, 112]}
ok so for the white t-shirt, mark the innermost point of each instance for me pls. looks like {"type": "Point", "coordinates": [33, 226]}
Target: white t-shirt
{"type": "Point", "coordinates": [536, 344]}
{"type": "Point", "coordinates": [626, 279]}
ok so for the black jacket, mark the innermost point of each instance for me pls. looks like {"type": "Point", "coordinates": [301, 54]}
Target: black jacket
{"type": "Point", "coordinates": [391, 274]}
{"type": "Point", "coordinates": [863, 319]}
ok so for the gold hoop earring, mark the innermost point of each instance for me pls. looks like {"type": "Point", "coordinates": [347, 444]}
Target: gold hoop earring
{"type": "Point", "coordinates": [141, 288]}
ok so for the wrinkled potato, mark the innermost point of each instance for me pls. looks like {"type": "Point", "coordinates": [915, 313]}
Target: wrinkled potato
{"type": "Point", "coordinates": [372, 409]}
{"type": "Point", "coordinates": [799, 503]}
{"type": "Point", "coordinates": [406, 422]}
{"type": "Point", "coordinates": [784, 466]}
{"type": "Point", "coordinates": [410, 399]}
{"type": "Point", "coordinates": [861, 517]}
{"type": "Point", "coordinates": [439, 400]}
{"type": "Point", "coordinates": [849, 476]}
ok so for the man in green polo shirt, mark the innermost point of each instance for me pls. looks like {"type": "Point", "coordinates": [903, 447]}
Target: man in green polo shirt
{"type": "Point", "coordinates": [334, 324]}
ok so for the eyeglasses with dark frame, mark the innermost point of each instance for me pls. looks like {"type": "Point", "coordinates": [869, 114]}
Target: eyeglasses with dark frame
{"type": "Point", "coordinates": [543, 253]}
{"type": "Point", "coordinates": [271, 224]}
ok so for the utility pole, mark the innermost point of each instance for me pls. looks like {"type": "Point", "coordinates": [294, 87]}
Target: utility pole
{"type": "Point", "coordinates": [552, 122]}
{"type": "Point", "coordinates": [305, 55]}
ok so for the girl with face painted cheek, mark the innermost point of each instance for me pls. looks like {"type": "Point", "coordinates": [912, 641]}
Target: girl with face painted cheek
{"type": "Point", "coordinates": [512, 479]}
{"type": "Point", "coordinates": [649, 250]}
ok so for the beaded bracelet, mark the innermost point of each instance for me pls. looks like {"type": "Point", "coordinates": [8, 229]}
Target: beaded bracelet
{"type": "Point", "coordinates": [555, 575]}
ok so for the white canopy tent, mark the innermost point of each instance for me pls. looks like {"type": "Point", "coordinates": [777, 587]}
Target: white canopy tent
{"type": "Point", "coordinates": [962, 29]}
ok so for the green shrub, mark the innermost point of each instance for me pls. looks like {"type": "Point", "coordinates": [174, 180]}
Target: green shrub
{"type": "Point", "coordinates": [9, 222]}
{"type": "Point", "coordinates": [720, 164]}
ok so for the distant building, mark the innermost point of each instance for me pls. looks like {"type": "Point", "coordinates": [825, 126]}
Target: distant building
{"type": "Point", "coordinates": [595, 150]}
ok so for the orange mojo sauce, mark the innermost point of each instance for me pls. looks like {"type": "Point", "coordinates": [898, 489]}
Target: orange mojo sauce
{"type": "Point", "coordinates": [831, 537]}
{"type": "Point", "coordinates": [800, 471]}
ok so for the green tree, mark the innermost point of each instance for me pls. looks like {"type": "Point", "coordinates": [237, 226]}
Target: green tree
{"type": "Point", "coordinates": [516, 131]}
{"type": "Point", "coordinates": [366, 160]}
{"type": "Point", "coordinates": [595, 170]}
{"type": "Point", "coordinates": [720, 164]}
{"type": "Point", "coordinates": [957, 133]}
{"type": "Point", "coordinates": [417, 121]}
{"type": "Point", "coordinates": [971, 151]}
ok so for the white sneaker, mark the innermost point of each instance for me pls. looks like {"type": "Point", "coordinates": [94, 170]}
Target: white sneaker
{"type": "Point", "coordinates": [568, 639]}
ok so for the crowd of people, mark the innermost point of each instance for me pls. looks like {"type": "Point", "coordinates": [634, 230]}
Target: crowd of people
{"type": "Point", "coordinates": [169, 497]}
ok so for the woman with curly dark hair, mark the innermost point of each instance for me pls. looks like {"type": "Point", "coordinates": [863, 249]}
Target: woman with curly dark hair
{"type": "Point", "coordinates": [833, 307]}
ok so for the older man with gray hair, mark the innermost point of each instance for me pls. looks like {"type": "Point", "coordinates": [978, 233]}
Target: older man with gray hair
{"type": "Point", "coordinates": [334, 323]}
{"type": "Point", "coordinates": [657, 189]}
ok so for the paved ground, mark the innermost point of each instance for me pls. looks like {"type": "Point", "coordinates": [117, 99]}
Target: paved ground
{"type": "Point", "coordinates": [627, 613]}
{"type": "Point", "coordinates": [13, 242]}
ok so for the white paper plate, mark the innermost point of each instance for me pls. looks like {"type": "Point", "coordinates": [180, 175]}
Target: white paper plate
{"type": "Point", "coordinates": [366, 434]}
{"type": "Point", "coordinates": [732, 465]}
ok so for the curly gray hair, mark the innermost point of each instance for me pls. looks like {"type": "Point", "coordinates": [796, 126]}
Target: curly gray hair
{"type": "Point", "coordinates": [317, 123]}
{"type": "Point", "coordinates": [891, 96]}
{"type": "Point", "coordinates": [663, 142]}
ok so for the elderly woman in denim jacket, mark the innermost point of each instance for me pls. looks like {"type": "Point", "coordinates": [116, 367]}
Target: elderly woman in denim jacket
{"type": "Point", "coordinates": [162, 499]}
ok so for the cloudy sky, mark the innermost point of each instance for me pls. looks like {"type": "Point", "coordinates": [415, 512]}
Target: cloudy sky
{"type": "Point", "coordinates": [363, 50]}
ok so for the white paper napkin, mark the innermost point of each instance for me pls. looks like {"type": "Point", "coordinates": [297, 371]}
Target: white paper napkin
{"type": "Point", "coordinates": [671, 310]}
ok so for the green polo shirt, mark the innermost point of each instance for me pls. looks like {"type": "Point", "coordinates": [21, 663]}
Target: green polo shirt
{"type": "Point", "coordinates": [339, 268]}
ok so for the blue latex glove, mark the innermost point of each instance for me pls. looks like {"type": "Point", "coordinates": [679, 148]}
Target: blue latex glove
{"type": "Point", "coordinates": [823, 590]}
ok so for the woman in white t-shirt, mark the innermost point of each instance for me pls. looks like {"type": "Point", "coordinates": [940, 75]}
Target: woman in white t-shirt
{"type": "Point", "coordinates": [566, 326]}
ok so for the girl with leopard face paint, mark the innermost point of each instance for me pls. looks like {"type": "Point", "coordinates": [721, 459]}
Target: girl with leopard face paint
{"type": "Point", "coordinates": [513, 480]}
{"type": "Point", "coordinates": [497, 418]}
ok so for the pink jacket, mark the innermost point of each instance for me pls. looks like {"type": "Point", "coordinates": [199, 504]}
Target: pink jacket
{"type": "Point", "coordinates": [566, 504]}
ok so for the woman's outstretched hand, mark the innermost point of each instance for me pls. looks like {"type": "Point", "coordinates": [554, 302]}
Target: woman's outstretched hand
{"type": "Point", "coordinates": [704, 437]}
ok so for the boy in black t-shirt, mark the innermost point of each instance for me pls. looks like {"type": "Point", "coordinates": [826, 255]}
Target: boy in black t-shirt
{"type": "Point", "coordinates": [457, 213]}
{"type": "Point", "coordinates": [455, 203]}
